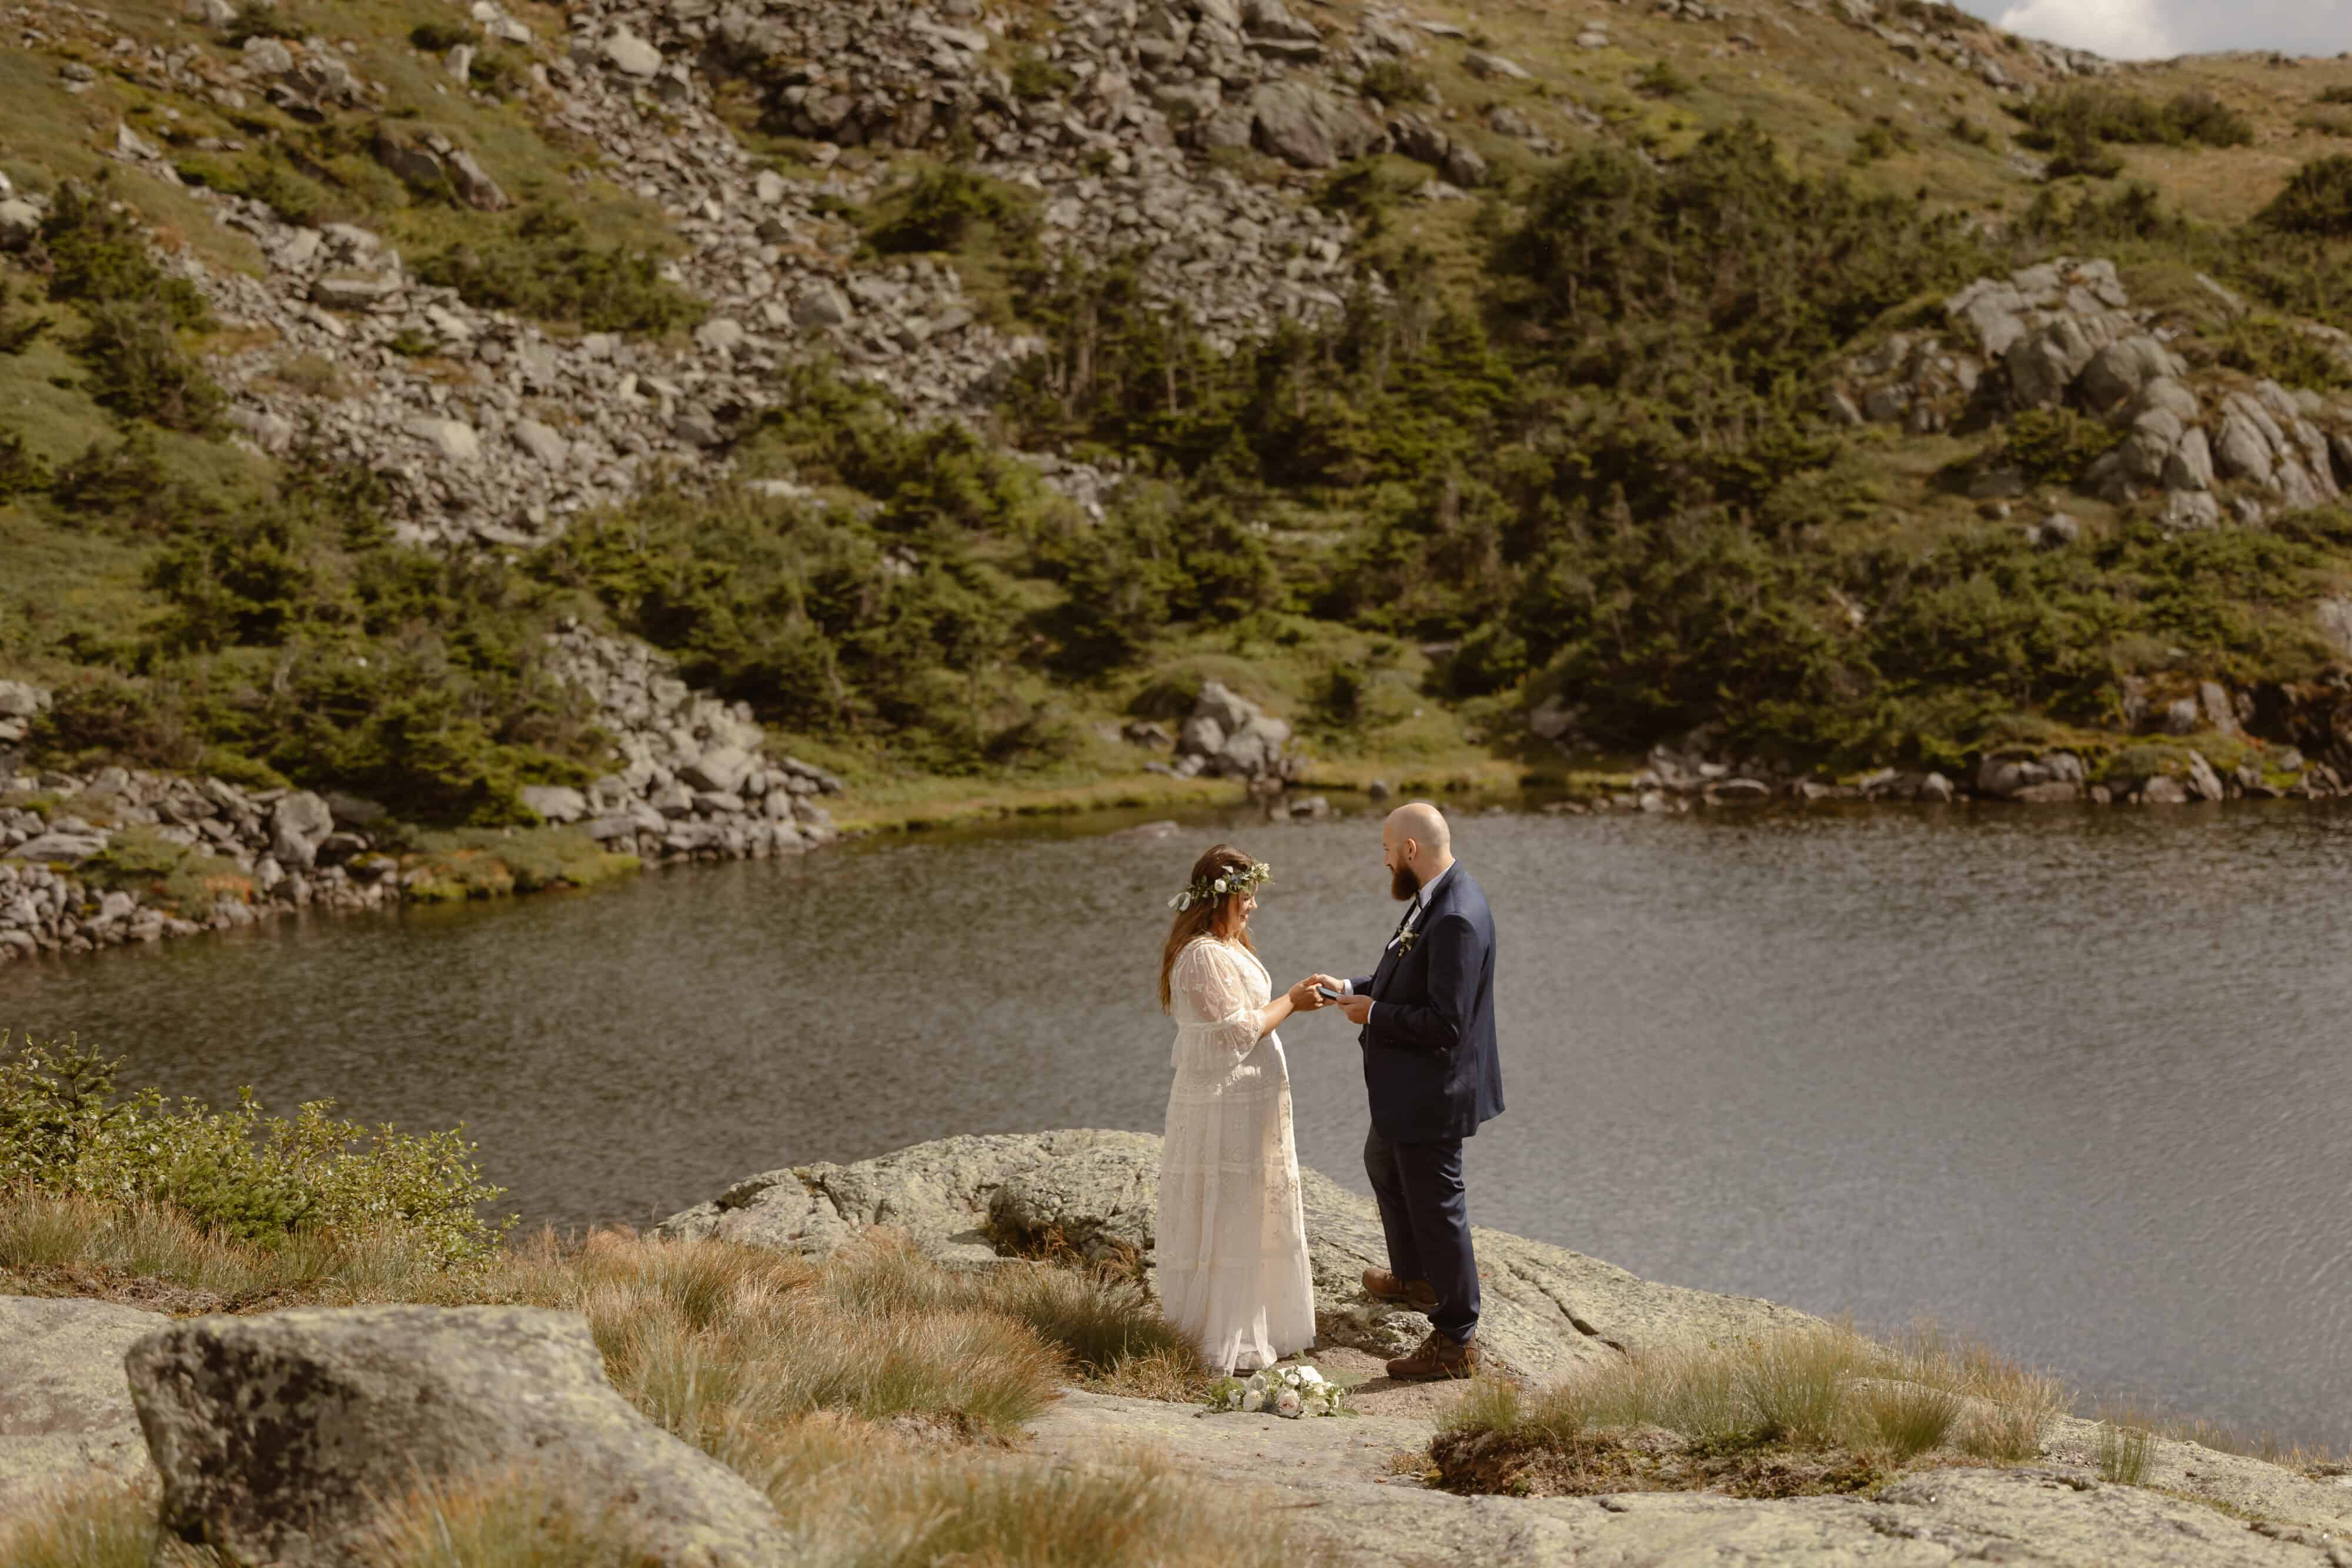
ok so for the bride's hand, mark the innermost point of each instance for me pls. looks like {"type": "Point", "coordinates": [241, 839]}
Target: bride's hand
{"type": "Point", "coordinates": [1303, 998]}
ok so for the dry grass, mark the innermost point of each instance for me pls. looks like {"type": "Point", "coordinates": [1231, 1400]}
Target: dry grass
{"type": "Point", "coordinates": [517, 1521]}
{"type": "Point", "coordinates": [871, 1394]}
{"type": "Point", "coordinates": [1820, 1407]}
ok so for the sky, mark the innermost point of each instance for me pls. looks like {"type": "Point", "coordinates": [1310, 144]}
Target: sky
{"type": "Point", "coordinates": [2154, 29]}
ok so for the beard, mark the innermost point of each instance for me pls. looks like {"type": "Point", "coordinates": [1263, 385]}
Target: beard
{"type": "Point", "coordinates": [1403, 883]}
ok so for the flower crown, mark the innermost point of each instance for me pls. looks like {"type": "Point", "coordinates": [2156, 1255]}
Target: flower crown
{"type": "Point", "coordinates": [1240, 879]}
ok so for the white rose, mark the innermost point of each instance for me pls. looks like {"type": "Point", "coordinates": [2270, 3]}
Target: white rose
{"type": "Point", "coordinates": [1220, 885]}
{"type": "Point", "coordinates": [1288, 1402]}
{"type": "Point", "coordinates": [1253, 1401]}
{"type": "Point", "coordinates": [1257, 1382]}
{"type": "Point", "coordinates": [1308, 1375]}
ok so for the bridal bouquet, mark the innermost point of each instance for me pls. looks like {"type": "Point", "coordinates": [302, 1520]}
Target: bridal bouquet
{"type": "Point", "coordinates": [1286, 1391]}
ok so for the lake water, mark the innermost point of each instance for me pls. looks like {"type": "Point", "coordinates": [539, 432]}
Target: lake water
{"type": "Point", "coordinates": [2078, 1081]}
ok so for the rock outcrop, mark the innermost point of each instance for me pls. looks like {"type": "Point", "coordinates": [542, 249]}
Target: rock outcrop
{"type": "Point", "coordinates": [692, 777]}
{"type": "Point", "coordinates": [280, 1438]}
{"type": "Point", "coordinates": [2064, 334]}
{"type": "Point", "coordinates": [1349, 1486]}
{"type": "Point", "coordinates": [65, 1409]}
{"type": "Point", "coordinates": [974, 1198]}
{"type": "Point", "coordinates": [1230, 737]}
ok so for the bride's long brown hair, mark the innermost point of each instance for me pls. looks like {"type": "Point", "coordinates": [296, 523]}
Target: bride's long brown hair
{"type": "Point", "coordinates": [1216, 917]}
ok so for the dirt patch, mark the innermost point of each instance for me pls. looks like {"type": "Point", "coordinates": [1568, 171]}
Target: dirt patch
{"type": "Point", "coordinates": [1642, 1459]}
{"type": "Point", "coordinates": [99, 1283]}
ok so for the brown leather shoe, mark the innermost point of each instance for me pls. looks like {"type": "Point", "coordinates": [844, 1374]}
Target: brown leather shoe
{"type": "Point", "coordinates": [1419, 1294]}
{"type": "Point", "coordinates": [1440, 1355]}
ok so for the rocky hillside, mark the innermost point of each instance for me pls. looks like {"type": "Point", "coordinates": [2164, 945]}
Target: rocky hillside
{"type": "Point", "coordinates": [489, 413]}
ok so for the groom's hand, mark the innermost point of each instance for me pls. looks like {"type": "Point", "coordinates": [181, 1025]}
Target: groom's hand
{"type": "Point", "coordinates": [1357, 1009]}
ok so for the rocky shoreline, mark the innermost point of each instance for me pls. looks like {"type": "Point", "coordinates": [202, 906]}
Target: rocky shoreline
{"type": "Point", "coordinates": [117, 856]}
{"type": "Point", "coordinates": [92, 1387]}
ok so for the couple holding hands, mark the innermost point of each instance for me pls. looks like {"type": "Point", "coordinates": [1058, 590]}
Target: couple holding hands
{"type": "Point", "coordinates": [1230, 1238]}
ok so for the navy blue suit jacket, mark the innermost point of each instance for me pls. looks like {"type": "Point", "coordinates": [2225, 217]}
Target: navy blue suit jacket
{"type": "Point", "coordinates": [1430, 1061]}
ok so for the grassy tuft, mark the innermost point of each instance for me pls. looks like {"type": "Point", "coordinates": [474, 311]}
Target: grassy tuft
{"type": "Point", "coordinates": [2124, 1453]}
{"type": "Point", "coordinates": [1800, 1411]}
{"type": "Point", "coordinates": [101, 1525]}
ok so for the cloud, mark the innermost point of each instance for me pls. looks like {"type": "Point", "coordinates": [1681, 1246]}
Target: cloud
{"type": "Point", "coordinates": [2145, 29]}
{"type": "Point", "coordinates": [2121, 29]}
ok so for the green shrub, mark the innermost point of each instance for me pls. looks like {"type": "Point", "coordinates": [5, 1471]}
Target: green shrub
{"type": "Point", "coordinates": [943, 207]}
{"type": "Point", "coordinates": [2327, 121]}
{"type": "Point", "coordinates": [2056, 446]}
{"type": "Point", "coordinates": [64, 1127]}
{"type": "Point", "coordinates": [18, 332]}
{"type": "Point", "coordinates": [1723, 256]}
{"type": "Point", "coordinates": [265, 176]}
{"type": "Point", "coordinates": [542, 263]}
{"type": "Point", "coordinates": [1966, 130]}
{"type": "Point", "coordinates": [1393, 81]}
{"type": "Point", "coordinates": [138, 370]}
{"type": "Point", "coordinates": [2082, 115]}
{"type": "Point", "coordinates": [126, 479]}
{"type": "Point", "coordinates": [97, 253]}
{"type": "Point", "coordinates": [20, 471]}
{"type": "Point", "coordinates": [2265, 346]}
{"type": "Point", "coordinates": [439, 37]}
{"type": "Point", "coordinates": [1035, 78]}
{"type": "Point", "coordinates": [101, 714]}
{"type": "Point", "coordinates": [2083, 156]}
{"type": "Point", "coordinates": [261, 19]}
{"type": "Point", "coordinates": [2318, 199]}
{"type": "Point", "coordinates": [1881, 138]}
{"type": "Point", "coordinates": [300, 638]}
{"type": "Point", "coordinates": [1661, 80]}
{"type": "Point", "coordinates": [189, 880]}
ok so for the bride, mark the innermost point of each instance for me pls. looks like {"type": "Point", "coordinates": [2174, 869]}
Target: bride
{"type": "Point", "coordinates": [1231, 1240]}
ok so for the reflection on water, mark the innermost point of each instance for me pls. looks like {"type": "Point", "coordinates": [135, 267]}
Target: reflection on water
{"type": "Point", "coordinates": [2075, 1079]}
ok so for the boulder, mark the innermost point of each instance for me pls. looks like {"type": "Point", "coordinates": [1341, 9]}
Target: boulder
{"type": "Point", "coordinates": [630, 55]}
{"type": "Point", "coordinates": [276, 1436]}
{"type": "Point", "coordinates": [2118, 372]}
{"type": "Point", "coordinates": [1229, 708]}
{"type": "Point", "coordinates": [56, 847]}
{"type": "Point", "coordinates": [556, 802]}
{"type": "Point", "coordinates": [20, 225]}
{"type": "Point", "coordinates": [2190, 467]}
{"type": "Point", "coordinates": [1309, 127]}
{"type": "Point", "coordinates": [542, 442]}
{"type": "Point", "coordinates": [474, 185]}
{"type": "Point", "coordinates": [1256, 751]}
{"type": "Point", "coordinates": [452, 438]}
{"type": "Point", "coordinates": [2242, 450]}
{"type": "Point", "coordinates": [821, 305]}
{"type": "Point", "coordinates": [415, 165]}
{"type": "Point", "coordinates": [1546, 1311]}
{"type": "Point", "coordinates": [22, 699]}
{"type": "Point", "coordinates": [721, 769]}
{"type": "Point", "coordinates": [354, 811]}
{"type": "Point", "coordinates": [1201, 737]}
{"type": "Point", "coordinates": [65, 1407]}
{"type": "Point", "coordinates": [299, 823]}
{"type": "Point", "coordinates": [1493, 66]}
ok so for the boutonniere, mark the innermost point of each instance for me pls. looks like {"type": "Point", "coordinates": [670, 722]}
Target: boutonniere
{"type": "Point", "coordinates": [1405, 941]}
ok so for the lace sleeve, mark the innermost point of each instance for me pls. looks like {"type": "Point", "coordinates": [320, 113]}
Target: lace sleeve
{"type": "Point", "coordinates": [1208, 987]}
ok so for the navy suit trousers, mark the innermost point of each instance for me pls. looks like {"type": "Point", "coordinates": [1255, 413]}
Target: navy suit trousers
{"type": "Point", "coordinates": [1427, 1215]}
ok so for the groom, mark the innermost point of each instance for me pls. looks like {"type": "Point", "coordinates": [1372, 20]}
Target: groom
{"type": "Point", "coordinates": [1427, 1020]}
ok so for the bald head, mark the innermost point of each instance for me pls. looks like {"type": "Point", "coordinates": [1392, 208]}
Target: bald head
{"type": "Point", "coordinates": [1417, 845]}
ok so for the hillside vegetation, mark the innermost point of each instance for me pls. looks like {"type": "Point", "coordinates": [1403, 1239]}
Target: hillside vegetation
{"type": "Point", "coordinates": [1569, 444]}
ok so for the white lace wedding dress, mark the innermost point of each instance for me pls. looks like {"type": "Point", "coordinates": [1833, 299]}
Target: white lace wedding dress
{"type": "Point", "coordinates": [1230, 1242]}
